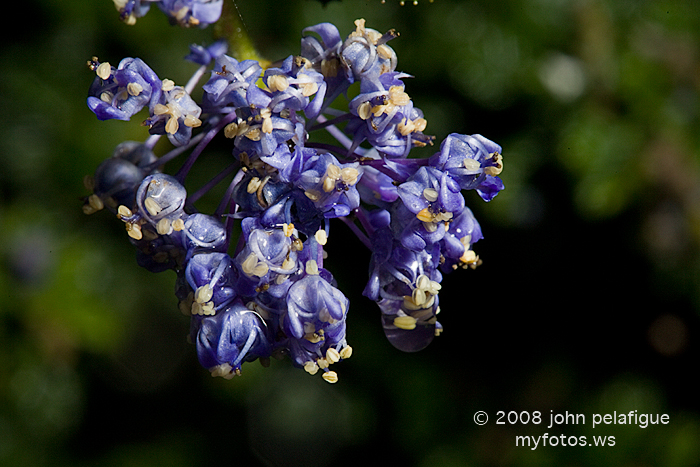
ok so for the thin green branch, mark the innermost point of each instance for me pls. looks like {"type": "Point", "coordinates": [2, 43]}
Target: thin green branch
{"type": "Point", "coordinates": [231, 27]}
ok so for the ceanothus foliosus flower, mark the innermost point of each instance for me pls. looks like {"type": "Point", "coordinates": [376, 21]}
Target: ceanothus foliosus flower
{"type": "Point", "coordinates": [253, 274]}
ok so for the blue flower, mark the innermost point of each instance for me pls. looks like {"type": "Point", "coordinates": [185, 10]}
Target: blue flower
{"type": "Point", "coordinates": [292, 84]}
{"type": "Point", "coordinates": [117, 178]}
{"type": "Point", "coordinates": [229, 338]}
{"type": "Point", "coordinates": [211, 276]}
{"type": "Point", "coordinates": [176, 114]}
{"type": "Point", "coordinates": [313, 305]}
{"type": "Point", "coordinates": [272, 293]}
{"type": "Point", "coordinates": [160, 200]}
{"type": "Point", "coordinates": [202, 55]}
{"type": "Point", "coordinates": [366, 54]}
{"type": "Point", "coordinates": [376, 187]}
{"type": "Point", "coordinates": [329, 184]}
{"type": "Point", "coordinates": [226, 89]}
{"type": "Point", "coordinates": [386, 117]}
{"type": "Point", "coordinates": [324, 56]}
{"type": "Point", "coordinates": [258, 190]}
{"type": "Point", "coordinates": [119, 93]}
{"type": "Point", "coordinates": [130, 10]}
{"type": "Point", "coordinates": [456, 246]}
{"type": "Point", "coordinates": [258, 131]}
{"type": "Point", "coordinates": [267, 255]}
{"type": "Point", "coordinates": [405, 285]}
{"type": "Point", "coordinates": [192, 12]}
{"type": "Point", "coordinates": [428, 202]}
{"type": "Point", "coordinates": [203, 232]}
{"type": "Point", "coordinates": [473, 161]}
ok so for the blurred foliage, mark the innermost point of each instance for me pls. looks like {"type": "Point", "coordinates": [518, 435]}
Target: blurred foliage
{"type": "Point", "coordinates": [587, 301]}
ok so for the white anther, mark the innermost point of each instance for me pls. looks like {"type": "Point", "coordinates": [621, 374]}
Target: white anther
{"type": "Point", "coordinates": [134, 231]}
{"type": "Point", "coordinates": [172, 126]}
{"type": "Point", "coordinates": [205, 309]}
{"type": "Point", "coordinates": [420, 124]}
{"type": "Point", "coordinates": [254, 134]}
{"type": "Point", "coordinates": [267, 126]}
{"type": "Point", "coordinates": [104, 70]}
{"type": "Point", "coordinates": [418, 296]}
{"type": "Point", "coordinates": [406, 127]}
{"type": "Point", "coordinates": [308, 89]}
{"type": "Point", "coordinates": [328, 184]}
{"type": "Point", "coordinates": [167, 85]}
{"type": "Point", "coordinates": [321, 237]}
{"type": "Point", "coordinates": [253, 185]}
{"type": "Point", "coordinates": [322, 363]}
{"type": "Point", "coordinates": [471, 164]}
{"type": "Point", "coordinates": [364, 111]}
{"type": "Point", "coordinates": [311, 368]}
{"type": "Point", "coordinates": [288, 264]}
{"type": "Point", "coordinates": [332, 355]}
{"type": "Point", "coordinates": [224, 370]}
{"type": "Point", "coordinates": [95, 202]}
{"type": "Point", "coordinates": [397, 96]}
{"type": "Point", "coordinates": [252, 267]}
{"type": "Point", "coordinates": [494, 170]}
{"type": "Point", "coordinates": [134, 89]}
{"type": "Point", "coordinates": [330, 376]}
{"type": "Point", "coordinates": [405, 322]}
{"type": "Point", "coordinates": [204, 293]}
{"type": "Point", "coordinates": [152, 206]}
{"type": "Point", "coordinates": [311, 267]}
{"type": "Point", "coordinates": [288, 229]}
{"type": "Point", "coordinates": [123, 211]}
{"type": "Point", "coordinates": [277, 83]}
{"type": "Point", "coordinates": [423, 281]}
{"type": "Point", "coordinates": [384, 51]}
{"type": "Point", "coordinates": [164, 226]}
{"type": "Point", "coordinates": [349, 175]}
{"type": "Point", "coordinates": [430, 226]}
{"type": "Point", "coordinates": [431, 194]}
{"type": "Point", "coordinates": [192, 121]}
{"type": "Point", "coordinates": [469, 257]}
{"type": "Point", "coordinates": [161, 109]}
{"type": "Point", "coordinates": [178, 225]}
{"type": "Point", "coordinates": [313, 195]}
{"type": "Point", "coordinates": [231, 130]}
{"type": "Point", "coordinates": [346, 352]}
{"type": "Point", "coordinates": [333, 171]}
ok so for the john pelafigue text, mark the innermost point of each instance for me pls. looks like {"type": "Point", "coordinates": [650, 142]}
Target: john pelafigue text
{"type": "Point", "coordinates": [554, 420]}
{"type": "Point", "coordinates": [642, 420]}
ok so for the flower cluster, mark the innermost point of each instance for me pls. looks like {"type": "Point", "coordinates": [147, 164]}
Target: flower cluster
{"type": "Point", "coordinates": [185, 13]}
{"type": "Point", "coordinates": [267, 293]}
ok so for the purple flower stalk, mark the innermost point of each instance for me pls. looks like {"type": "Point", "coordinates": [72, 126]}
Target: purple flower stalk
{"type": "Point", "coordinates": [268, 292]}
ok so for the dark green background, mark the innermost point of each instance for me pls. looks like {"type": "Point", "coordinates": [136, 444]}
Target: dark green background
{"type": "Point", "coordinates": [587, 300]}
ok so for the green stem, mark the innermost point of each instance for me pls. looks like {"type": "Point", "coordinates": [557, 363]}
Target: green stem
{"type": "Point", "coordinates": [230, 27]}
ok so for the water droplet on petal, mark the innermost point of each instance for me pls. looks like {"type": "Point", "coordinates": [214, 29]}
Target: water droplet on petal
{"type": "Point", "coordinates": [408, 341]}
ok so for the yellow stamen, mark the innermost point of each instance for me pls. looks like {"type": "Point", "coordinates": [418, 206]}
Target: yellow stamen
{"type": "Point", "coordinates": [330, 376]}
{"type": "Point", "coordinates": [104, 71]}
{"type": "Point", "coordinates": [405, 322]}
